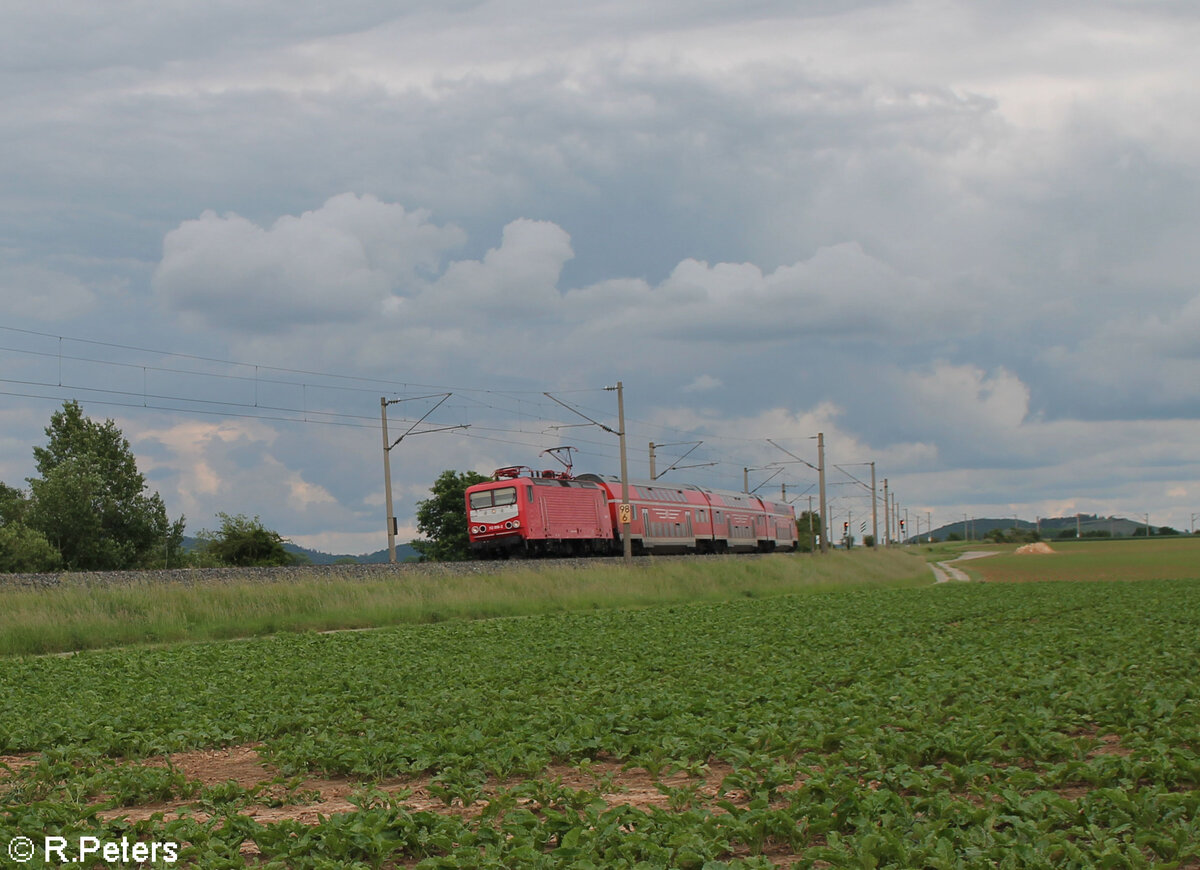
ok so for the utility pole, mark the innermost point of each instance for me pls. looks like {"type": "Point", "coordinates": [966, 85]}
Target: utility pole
{"type": "Point", "coordinates": [821, 478]}
{"type": "Point", "coordinates": [653, 476]}
{"type": "Point", "coordinates": [387, 449]}
{"type": "Point", "coordinates": [874, 511]}
{"type": "Point", "coordinates": [387, 482]}
{"type": "Point", "coordinates": [812, 549]}
{"type": "Point", "coordinates": [820, 469]}
{"type": "Point", "coordinates": [874, 499]}
{"type": "Point", "coordinates": [887, 526]}
{"type": "Point", "coordinates": [626, 512]}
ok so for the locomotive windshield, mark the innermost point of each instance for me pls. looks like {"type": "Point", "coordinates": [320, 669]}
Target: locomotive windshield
{"type": "Point", "coordinates": [494, 497]}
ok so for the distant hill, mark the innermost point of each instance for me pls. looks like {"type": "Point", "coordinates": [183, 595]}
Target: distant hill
{"type": "Point", "coordinates": [404, 553]}
{"type": "Point", "coordinates": [1117, 527]}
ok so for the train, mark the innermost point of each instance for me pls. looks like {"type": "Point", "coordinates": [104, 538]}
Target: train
{"type": "Point", "coordinates": [521, 512]}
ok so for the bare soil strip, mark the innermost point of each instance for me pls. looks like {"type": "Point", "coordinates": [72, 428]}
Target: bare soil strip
{"type": "Point", "coordinates": [318, 796]}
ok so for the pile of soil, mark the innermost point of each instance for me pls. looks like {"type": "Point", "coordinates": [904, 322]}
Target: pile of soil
{"type": "Point", "coordinates": [1038, 548]}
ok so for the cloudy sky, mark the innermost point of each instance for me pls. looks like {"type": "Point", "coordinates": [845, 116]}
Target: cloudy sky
{"type": "Point", "coordinates": [961, 239]}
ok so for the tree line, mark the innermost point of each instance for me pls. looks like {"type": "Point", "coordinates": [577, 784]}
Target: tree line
{"type": "Point", "coordinates": [89, 509]}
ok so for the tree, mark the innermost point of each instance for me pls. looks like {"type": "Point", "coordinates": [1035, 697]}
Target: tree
{"type": "Point", "coordinates": [443, 518]}
{"type": "Point", "coordinates": [244, 542]}
{"type": "Point", "coordinates": [13, 504]}
{"type": "Point", "coordinates": [22, 549]}
{"type": "Point", "coordinates": [90, 501]}
{"type": "Point", "coordinates": [806, 540]}
{"type": "Point", "coordinates": [26, 550]}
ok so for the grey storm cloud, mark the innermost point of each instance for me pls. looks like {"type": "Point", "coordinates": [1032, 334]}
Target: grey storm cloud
{"type": "Point", "coordinates": [955, 235]}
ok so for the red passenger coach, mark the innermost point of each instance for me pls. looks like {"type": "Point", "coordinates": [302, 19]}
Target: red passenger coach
{"type": "Point", "coordinates": [781, 526]}
{"type": "Point", "coordinates": [682, 518]}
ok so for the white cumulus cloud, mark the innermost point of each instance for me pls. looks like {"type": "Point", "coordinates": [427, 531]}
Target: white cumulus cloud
{"type": "Point", "coordinates": [339, 262]}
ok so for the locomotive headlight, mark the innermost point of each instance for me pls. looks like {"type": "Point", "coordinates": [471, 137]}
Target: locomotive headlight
{"type": "Point", "coordinates": [508, 525]}
{"type": "Point", "coordinates": [516, 524]}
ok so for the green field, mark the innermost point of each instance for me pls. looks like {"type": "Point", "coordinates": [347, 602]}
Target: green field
{"type": "Point", "coordinates": [963, 725]}
{"type": "Point", "coordinates": [1154, 559]}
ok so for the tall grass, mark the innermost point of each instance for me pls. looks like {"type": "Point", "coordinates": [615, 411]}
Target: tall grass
{"type": "Point", "coordinates": [70, 617]}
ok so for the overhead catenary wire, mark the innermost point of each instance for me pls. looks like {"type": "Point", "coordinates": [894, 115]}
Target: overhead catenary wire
{"type": "Point", "coordinates": [482, 397]}
{"type": "Point", "coordinates": [520, 410]}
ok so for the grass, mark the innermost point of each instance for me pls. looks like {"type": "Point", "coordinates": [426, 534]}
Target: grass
{"type": "Point", "coordinates": [1154, 559]}
{"type": "Point", "coordinates": [78, 617]}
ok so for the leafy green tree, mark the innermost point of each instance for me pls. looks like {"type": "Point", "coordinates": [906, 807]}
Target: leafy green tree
{"type": "Point", "coordinates": [90, 501]}
{"type": "Point", "coordinates": [13, 504]}
{"type": "Point", "coordinates": [805, 541]}
{"type": "Point", "coordinates": [26, 550]}
{"type": "Point", "coordinates": [443, 518]}
{"type": "Point", "coordinates": [243, 541]}
{"type": "Point", "coordinates": [22, 549]}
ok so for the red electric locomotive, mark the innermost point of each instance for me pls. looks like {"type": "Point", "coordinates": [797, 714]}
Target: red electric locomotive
{"type": "Point", "coordinates": [523, 512]}
{"type": "Point", "coordinates": [546, 513]}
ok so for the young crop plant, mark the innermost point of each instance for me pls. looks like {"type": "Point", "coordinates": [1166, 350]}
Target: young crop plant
{"type": "Point", "coordinates": [458, 784]}
{"type": "Point", "coordinates": [129, 785]}
{"type": "Point", "coordinates": [965, 725]}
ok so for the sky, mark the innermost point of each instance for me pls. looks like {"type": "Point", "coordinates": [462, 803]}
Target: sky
{"type": "Point", "coordinates": [960, 240]}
